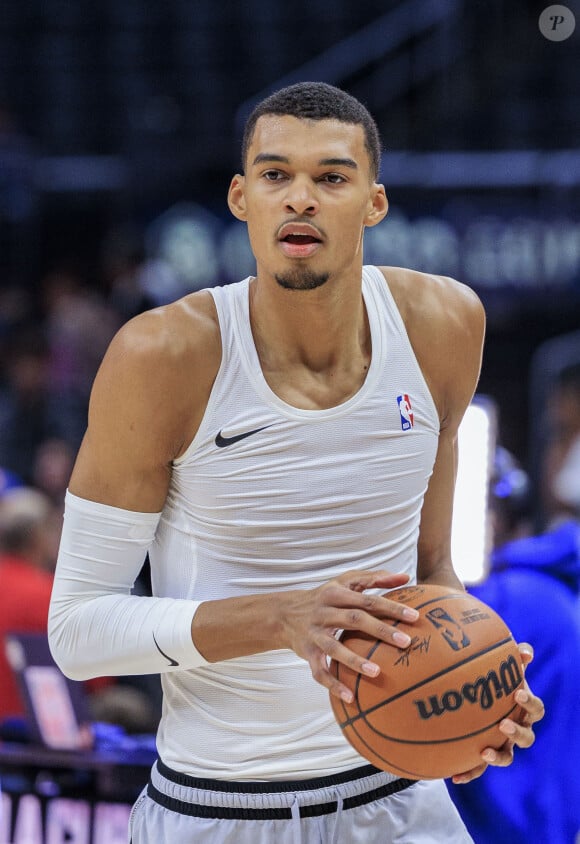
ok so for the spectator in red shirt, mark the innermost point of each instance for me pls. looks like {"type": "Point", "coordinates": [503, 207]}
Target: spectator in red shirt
{"type": "Point", "coordinates": [29, 535]}
{"type": "Point", "coordinates": [30, 525]}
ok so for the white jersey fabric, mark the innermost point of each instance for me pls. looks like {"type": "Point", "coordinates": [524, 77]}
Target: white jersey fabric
{"type": "Point", "coordinates": [270, 497]}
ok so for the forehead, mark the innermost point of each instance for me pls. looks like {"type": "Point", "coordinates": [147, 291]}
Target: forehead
{"type": "Point", "coordinates": [297, 138]}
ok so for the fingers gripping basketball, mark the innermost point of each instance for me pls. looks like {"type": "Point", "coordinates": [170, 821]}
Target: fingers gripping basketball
{"type": "Point", "coordinates": [436, 705]}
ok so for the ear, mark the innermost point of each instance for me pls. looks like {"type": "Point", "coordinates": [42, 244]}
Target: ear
{"type": "Point", "coordinates": [378, 206]}
{"type": "Point", "coordinates": [236, 197]}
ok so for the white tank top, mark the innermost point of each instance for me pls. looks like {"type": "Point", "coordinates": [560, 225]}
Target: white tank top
{"type": "Point", "coordinates": [271, 497]}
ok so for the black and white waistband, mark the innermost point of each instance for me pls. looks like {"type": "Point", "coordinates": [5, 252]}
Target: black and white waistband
{"type": "Point", "coordinates": [207, 798]}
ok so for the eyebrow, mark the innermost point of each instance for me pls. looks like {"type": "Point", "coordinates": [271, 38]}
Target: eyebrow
{"type": "Point", "coordinates": [324, 162]}
{"type": "Point", "coordinates": [339, 162]}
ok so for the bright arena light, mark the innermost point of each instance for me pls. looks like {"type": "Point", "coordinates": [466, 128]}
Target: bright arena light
{"type": "Point", "coordinates": [471, 532]}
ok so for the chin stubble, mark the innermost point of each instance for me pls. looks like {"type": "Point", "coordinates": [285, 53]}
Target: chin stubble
{"type": "Point", "coordinates": [301, 278]}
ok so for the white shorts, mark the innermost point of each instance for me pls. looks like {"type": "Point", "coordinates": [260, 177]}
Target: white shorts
{"type": "Point", "coordinates": [363, 806]}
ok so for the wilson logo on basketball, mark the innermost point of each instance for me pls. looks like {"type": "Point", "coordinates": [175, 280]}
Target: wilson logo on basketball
{"type": "Point", "coordinates": [484, 692]}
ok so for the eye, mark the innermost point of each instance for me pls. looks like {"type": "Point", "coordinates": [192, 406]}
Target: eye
{"type": "Point", "coordinates": [333, 178]}
{"type": "Point", "coordinates": [273, 175]}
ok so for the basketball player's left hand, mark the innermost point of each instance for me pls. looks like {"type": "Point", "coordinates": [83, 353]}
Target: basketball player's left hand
{"type": "Point", "coordinates": [518, 733]}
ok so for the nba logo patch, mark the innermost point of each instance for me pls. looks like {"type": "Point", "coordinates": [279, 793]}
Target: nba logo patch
{"type": "Point", "coordinates": [406, 412]}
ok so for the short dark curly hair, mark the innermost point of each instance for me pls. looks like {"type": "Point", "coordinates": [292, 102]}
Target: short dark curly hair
{"type": "Point", "coordinates": [317, 101]}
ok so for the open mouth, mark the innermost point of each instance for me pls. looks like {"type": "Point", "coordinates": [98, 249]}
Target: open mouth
{"type": "Point", "coordinates": [300, 239]}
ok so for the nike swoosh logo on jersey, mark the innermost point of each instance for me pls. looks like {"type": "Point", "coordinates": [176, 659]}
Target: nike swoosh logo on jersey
{"type": "Point", "coordinates": [171, 661]}
{"type": "Point", "coordinates": [222, 441]}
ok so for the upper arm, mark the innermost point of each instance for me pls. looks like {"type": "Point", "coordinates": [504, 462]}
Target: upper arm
{"type": "Point", "coordinates": [147, 400]}
{"type": "Point", "coordinates": [446, 325]}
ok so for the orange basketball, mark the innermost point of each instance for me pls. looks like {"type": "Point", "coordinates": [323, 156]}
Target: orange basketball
{"type": "Point", "coordinates": [436, 705]}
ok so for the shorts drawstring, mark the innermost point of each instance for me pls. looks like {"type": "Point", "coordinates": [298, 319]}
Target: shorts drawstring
{"type": "Point", "coordinates": [316, 803]}
{"type": "Point", "coordinates": [339, 805]}
{"type": "Point", "coordinates": [295, 809]}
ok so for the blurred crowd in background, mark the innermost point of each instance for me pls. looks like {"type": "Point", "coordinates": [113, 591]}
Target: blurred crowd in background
{"type": "Point", "coordinates": [50, 349]}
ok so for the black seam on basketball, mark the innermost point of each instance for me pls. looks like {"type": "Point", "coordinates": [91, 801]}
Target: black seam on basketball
{"type": "Point", "coordinates": [365, 712]}
{"type": "Point", "coordinates": [432, 740]}
{"type": "Point", "coordinates": [397, 767]}
{"type": "Point", "coordinates": [387, 762]}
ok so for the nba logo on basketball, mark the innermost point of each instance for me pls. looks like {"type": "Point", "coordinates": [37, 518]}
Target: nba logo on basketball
{"type": "Point", "coordinates": [406, 412]}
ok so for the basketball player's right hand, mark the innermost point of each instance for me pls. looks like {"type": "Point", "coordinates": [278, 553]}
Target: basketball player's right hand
{"type": "Point", "coordinates": [311, 619]}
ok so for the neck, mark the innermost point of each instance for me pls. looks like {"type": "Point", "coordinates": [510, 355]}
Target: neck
{"type": "Point", "coordinates": [322, 329]}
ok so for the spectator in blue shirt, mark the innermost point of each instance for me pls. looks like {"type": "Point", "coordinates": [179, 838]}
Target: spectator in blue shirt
{"type": "Point", "coordinates": [534, 584]}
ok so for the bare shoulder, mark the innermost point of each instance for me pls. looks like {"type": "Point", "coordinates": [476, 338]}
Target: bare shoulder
{"type": "Point", "coordinates": [147, 401]}
{"type": "Point", "coordinates": [445, 321]}
{"type": "Point", "coordinates": [424, 296]}
{"type": "Point", "coordinates": [170, 335]}
{"type": "Point", "coordinates": [158, 373]}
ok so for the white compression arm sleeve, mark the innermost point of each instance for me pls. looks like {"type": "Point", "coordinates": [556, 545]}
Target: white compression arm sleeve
{"type": "Point", "coordinates": [96, 627]}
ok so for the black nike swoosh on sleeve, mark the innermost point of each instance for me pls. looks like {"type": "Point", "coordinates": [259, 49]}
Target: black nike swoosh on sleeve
{"type": "Point", "coordinates": [170, 659]}
{"type": "Point", "coordinates": [222, 441]}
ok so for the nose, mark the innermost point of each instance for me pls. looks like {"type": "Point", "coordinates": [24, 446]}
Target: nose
{"type": "Point", "coordinates": [300, 197]}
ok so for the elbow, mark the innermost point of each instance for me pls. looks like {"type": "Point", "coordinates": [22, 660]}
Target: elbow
{"type": "Point", "coordinates": [68, 656]}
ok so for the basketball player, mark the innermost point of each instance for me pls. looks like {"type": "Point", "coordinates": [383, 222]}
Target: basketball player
{"type": "Point", "coordinates": [284, 448]}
